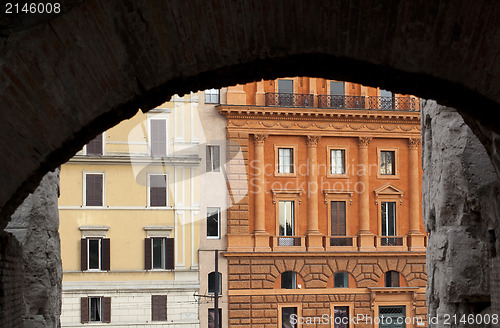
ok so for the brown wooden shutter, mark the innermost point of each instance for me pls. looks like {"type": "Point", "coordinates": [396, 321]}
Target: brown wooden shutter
{"type": "Point", "coordinates": [84, 309]}
{"type": "Point", "coordinates": [342, 218]}
{"type": "Point", "coordinates": [94, 188]}
{"type": "Point", "coordinates": [147, 253]}
{"type": "Point", "coordinates": [83, 263]}
{"type": "Point", "coordinates": [94, 147]}
{"type": "Point", "coordinates": [159, 307]}
{"type": "Point", "coordinates": [106, 309]}
{"type": "Point", "coordinates": [338, 217]}
{"type": "Point", "coordinates": [169, 253]}
{"type": "Point", "coordinates": [105, 256]}
{"type": "Point", "coordinates": [158, 190]}
{"type": "Point", "coordinates": [158, 138]}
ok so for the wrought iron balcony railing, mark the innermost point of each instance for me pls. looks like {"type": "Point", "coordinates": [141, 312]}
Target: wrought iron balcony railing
{"type": "Point", "coordinates": [289, 241]}
{"type": "Point", "coordinates": [341, 102]}
{"type": "Point", "coordinates": [340, 241]}
{"type": "Point", "coordinates": [289, 100]}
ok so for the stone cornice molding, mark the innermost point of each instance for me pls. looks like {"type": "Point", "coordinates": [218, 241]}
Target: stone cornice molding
{"type": "Point", "coordinates": [363, 142]}
{"type": "Point", "coordinates": [413, 143]}
{"type": "Point", "coordinates": [296, 193]}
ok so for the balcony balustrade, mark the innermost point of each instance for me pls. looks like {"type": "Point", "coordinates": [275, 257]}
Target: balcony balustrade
{"type": "Point", "coordinates": [341, 102]}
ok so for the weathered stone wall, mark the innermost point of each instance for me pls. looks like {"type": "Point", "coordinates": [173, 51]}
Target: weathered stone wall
{"type": "Point", "coordinates": [460, 208]}
{"type": "Point", "coordinates": [11, 301]}
{"type": "Point", "coordinates": [35, 225]}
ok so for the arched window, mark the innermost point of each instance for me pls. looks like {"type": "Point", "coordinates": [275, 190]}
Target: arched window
{"type": "Point", "coordinates": [289, 280]}
{"type": "Point", "coordinates": [341, 280]}
{"type": "Point", "coordinates": [392, 279]}
{"type": "Point", "coordinates": [211, 282]}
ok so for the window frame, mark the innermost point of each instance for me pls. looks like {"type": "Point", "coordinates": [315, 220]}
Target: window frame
{"type": "Point", "coordinates": [349, 305]}
{"type": "Point", "coordinates": [212, 274]}
{"type": "Point", "coordinates": [277, 172]}
{"type": "Point", "coordinates": [289, 305]}
{"type": "Point", "coordinates": [99, 253]}
{"type": "Point", "coordinates": [84, 150]}
{"type": "Point", "coordinates": [157, 117]}
{"type": "Point", "coordinates": [100, 308]}
{"type": "Point", "coordinates": [382, 219]}
{"type": "Point", "coordinates": [393, 274]}
{"type": "Point", "coordinates": [212, 166]}
{"type": "Point", "coordinates": [150, 174]}
{"type": "Point", "coordinates": [329, 173]}
{"type": "Point", "coordinates": [332, 195]}
{"type": "Point", "coordinates": [209, 317]}
{"type": "Point", "coordinates": [84, 189]}
{"type": "Point", "coordinates": [86, 309]}
{"type": "Point", "coordinates": [287, 195]}
{"type": "Point", "coordinates": [218, 223]}
{"type": "Point", "coordinates": [155, 316]}
{"type": "Point", "coordinates": [210, 94]}
{"type": "Point", "coordinates": [396, 174]}
{"type": "Point", "coordinates": [346, 279]}
{"type": "Point", "coordinates": [294, 280]}
{"type": "Point", "coordinates": [163, 232]}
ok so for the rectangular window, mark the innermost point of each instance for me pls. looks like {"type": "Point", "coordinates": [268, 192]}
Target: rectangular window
{"type": "Point", "coordinates": [392, 279]}
{"type": "Point", "coordinates": [341, 280]}
{"type": "Point", "coordinates": [213, 222]}
{"type": "Point", "coordinates": [289, 280]}
{"type": "Point", "coordinates": [95, 146]}
{"type": "Point", "coordinates": [158, 137]}
{"type": "Point", "coordinates": [285, 160]}
{"type": "Point", "coordinates": [388, 215]}
{"type": "Point", "coordinates": [211, 318]}
{"type": "Point", "coordinates": [95, 309]}
{"type": "Point", "coordinates": [212, 96]}
{"type": "Point", "coordinates": [341, 316]}
{"type": "Point", "coordinates": [337, 161]}
{"type": "Point", "coordinates": [286, 317]}
{"type": "Point", "coordinates": [387, 162]}
{"type": "Point", "coordinates": [157, 190]}
{"type": "Point", "coordinates": [338, 218]}
{"type": "Point", "coordinates": [285, 93]}
{"type": "Point", "coordinates": [159, 253]}
{"type": "Point", "coordinates": [158, 307]}
{"type": "Point", "coordinates": [337, 88]}
{"type": "Point", "coordinates": [213, 158]}
{"type": "Point", "coordinates": [94, 186]}
{"type": "Point", "coordinates": [95, 254]}
{"type": "Point", "coordinates": [286, 218]}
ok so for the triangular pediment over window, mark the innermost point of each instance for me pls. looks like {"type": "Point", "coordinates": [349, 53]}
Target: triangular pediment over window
{"type": "Point", "coordinates": [388, 191]}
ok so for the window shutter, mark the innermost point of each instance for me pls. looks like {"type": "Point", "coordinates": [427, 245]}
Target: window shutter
{"type": "Point", "coordinates": [147, 253]}
{"type": "Point", "coordinates": [94, 188]}
{"type": "Point", "coordinates": [105, 256]}
{"type": "Point", "coordinates": [169, 253]}
{"type": "Point", "coordinates": [159, 307]}
{"type": "Point", "coordinates": [83, 252]}
{"type": "Point", "coordinates": [158, 190]}
{"type": "Point", "coordinates": [216, 158]}
{"type": "Point", "coordinates": [94, 147]}
{"type": "Point", "coordinates": [106, 309]}
{"type": "Point", "coordinates": [158, 138]}
{"type": "Point", "coordinates": [84, 309]}
{"type": "Point", "coordinates": [342, 223]}
{"type": "Point", "coordinates": [208, 160]}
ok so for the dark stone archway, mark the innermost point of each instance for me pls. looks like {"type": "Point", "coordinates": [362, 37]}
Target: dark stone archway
{"type": "Point", "coordinates": [64, 78]}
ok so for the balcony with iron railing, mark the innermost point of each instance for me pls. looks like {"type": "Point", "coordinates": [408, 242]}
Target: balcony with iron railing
{"type": "Point", "coordinates": [341, 102]}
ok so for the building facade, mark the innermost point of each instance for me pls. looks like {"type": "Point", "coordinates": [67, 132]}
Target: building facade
{"type": "Point", "coordinates": [328, 222]}
{"type": "Point", "coordinates": [130, 222]}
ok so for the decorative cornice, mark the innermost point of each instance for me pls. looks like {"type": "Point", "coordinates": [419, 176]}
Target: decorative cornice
{"type": "Point", "coordinates": [363, 142]}
{"type": "Point", "coordinates": [413, 143]}
{"type": "Point", "coordinates": [259, 139]}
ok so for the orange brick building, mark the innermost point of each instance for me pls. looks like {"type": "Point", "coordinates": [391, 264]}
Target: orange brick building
{"type": "Point", "coordinates": [328, 223]}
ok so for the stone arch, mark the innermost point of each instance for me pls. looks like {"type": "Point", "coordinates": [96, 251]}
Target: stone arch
{"type": "Point", "coordinates": [135, 54]}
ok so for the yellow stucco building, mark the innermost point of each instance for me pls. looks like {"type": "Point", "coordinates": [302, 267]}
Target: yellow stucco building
{"type": "Point", "coordinates": [129, 222]}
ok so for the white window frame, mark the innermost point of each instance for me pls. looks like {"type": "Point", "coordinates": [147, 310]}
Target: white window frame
{"type": "Point", "coordinates": [100, 308]}
{"type": "Point", "coordinates": [84, 189]}
{"type": "Point", "coordinates": [210, 93]}
{"type": "Point", "coordinates": [158, 116]}
{"type": "Point", "coordinates": [99, 253]}
{"type": "Point", "coordinates": [163, 249]}
{"type": "Point", "coordinates": [278, 164]}
{"type": "Point", "coordinates": [330, 174]}
{"type": "Point", "coordinates": [218, 223]}
{"type": "Point", "coordinates": [148, 196]}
